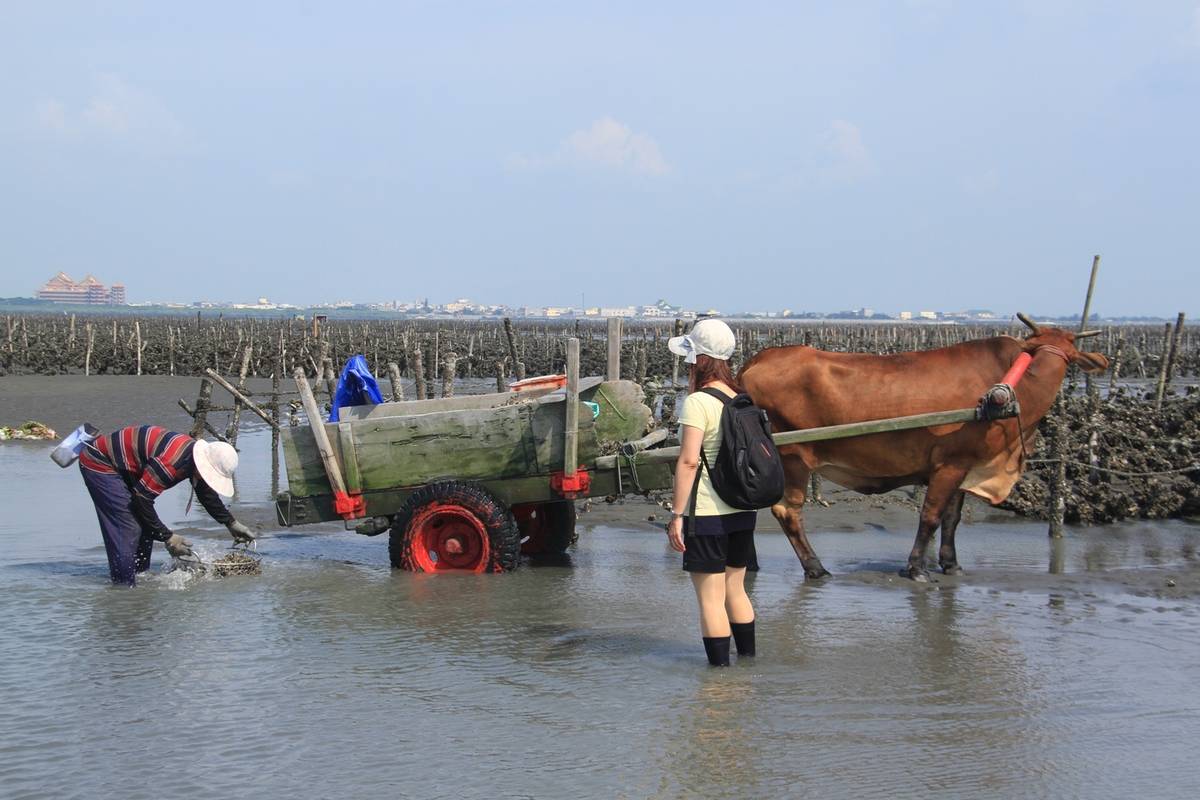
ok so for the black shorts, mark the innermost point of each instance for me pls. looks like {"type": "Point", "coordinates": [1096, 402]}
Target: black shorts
{"type": "Point", "coordinates": [713, 552]}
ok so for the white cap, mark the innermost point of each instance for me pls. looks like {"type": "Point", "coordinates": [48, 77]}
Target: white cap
{"type": "Point", "coordinates": [216, 461]}
{"type": "Point", "coordinates": [709, 337]}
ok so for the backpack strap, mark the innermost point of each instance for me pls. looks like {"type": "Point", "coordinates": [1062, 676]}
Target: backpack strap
{"type": "Point", "coordinates": [717, 393]}
{"type": "Point", "coordinates": [703, 465]}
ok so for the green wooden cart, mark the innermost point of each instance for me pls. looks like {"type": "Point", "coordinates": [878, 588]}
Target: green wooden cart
{"type": "Point", "coordinates": [470, 483]}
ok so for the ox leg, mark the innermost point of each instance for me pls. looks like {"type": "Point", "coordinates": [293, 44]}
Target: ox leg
{"type": "Point", "coordinates": [947, 555]}
{"type": "Point", "coordinates": [790, 514]}
{"type": "Point", "coordinates": [942, 488]}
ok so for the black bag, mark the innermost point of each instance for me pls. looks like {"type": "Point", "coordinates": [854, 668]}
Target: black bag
{"type": "Point", "coordinates": [747, 473]}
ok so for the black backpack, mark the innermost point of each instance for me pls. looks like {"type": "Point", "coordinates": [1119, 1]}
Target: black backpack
{"type": "Point", "coordinates": [747, 473]}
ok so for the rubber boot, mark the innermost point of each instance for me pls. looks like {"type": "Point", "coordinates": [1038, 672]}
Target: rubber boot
{"type": "Point", "coordinates": [717, 648]}
{"type": "Point", "coordinates": [743, 636]}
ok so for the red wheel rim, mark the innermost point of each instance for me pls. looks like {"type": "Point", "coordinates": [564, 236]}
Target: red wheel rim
{"type": "Point", "coordinates": [448, 538]}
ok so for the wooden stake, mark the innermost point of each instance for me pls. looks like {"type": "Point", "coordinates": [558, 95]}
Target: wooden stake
{"type": "Point", "coordinates": [397, 385]}
{"type": "Point", "coordinates": [571, 433]}
{"type": "Point", "coordinates": [203, 401]}
{"type": "Point", "coordinates": [449, 370]}
{"type": "Point", "coordinates": [613, 371]}
{"type": "Point", "coordinates": [317, 423]}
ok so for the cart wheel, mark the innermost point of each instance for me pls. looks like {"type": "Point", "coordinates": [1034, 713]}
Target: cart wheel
{"type": "Point", "coordinates": [454, 526]}
{"type": "Point", "coordinates": [550, 527]}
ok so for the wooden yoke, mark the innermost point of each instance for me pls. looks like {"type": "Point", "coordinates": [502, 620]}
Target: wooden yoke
{"type": "Point", "coordinates": [348, 506]}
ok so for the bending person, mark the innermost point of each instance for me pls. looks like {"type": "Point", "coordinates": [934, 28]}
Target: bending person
{"type": "Point", "coordinates": [126, 470]}
{"type": "Point", "coordinates": [718, 551]}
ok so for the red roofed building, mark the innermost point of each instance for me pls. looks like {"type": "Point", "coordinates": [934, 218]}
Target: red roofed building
{"type": "Point", "coordinates": [89, 291]}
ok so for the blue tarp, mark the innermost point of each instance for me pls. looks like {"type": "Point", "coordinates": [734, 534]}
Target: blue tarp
{"type": "Point", "coordinates": [356, 387]}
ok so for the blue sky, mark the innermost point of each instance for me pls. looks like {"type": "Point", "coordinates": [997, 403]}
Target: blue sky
{"type": "Point", "coordinates": [903, 155]}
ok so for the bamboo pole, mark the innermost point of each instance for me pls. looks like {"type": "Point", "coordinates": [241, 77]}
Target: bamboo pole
{"type": "Point", "coordinates": [275, 374]}
{"type": "Point", "coordinates": [235, 421]}
{"type": "Point", "coordinates": [1161, 387]}
{"type": "Point", "coordinates": [233, 390]}
{"type": "Point", "coordinates": [1087, 303]}
{"type": "Point", "coordinates": [1172, 354]}
{"type": "Point", "coordinates": [1058, 481]}
{"type": "Point", "coordinates": [571, 432]}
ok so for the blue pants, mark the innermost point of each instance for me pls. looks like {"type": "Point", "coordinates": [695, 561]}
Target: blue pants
{"type": "Point", "coordinates": [127, 546]}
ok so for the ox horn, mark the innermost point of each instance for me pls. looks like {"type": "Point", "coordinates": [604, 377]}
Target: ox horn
{"type": "Point", "coordinates": [1028, 322]}
{"type": "Point", "coordinates": [1086, 334]}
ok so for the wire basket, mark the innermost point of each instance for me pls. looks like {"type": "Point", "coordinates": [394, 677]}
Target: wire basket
{"type": "Point", "coordinates": [236, 564]}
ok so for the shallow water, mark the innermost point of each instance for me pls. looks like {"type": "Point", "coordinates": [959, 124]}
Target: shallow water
{"type": "Point", "coordinates": [333, 675]}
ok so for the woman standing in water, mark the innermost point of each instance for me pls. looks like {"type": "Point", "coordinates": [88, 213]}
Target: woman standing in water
{"type": "Point", "coordinates": [720, 548]}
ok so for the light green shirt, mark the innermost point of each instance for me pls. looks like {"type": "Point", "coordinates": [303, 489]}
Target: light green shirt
{"type": "Point", "coordinates": [703, 411]}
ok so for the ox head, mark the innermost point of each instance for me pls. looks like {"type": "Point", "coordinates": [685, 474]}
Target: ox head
{"type": "Point", "coordinates": [1065, 341]}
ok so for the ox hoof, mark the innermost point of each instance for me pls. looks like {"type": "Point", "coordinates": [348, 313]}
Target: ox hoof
{"type": "Point", "coordinates": [915, 574]}
{"type": "Point", "coordinates": [952, 569]}
{"type": "Point", "coordinates": [816, 571]}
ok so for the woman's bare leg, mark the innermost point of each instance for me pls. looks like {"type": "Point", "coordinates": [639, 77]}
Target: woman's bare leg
{"type": "Point", "coordinates": [737, 602]}
{"type": "Point", "coordinates": [710, 592]}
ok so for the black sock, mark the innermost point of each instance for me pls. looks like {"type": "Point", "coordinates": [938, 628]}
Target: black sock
{"type": "Point", "coordinates": [743, 635]}
{"type": "Point", "coordinates": [717, 648]}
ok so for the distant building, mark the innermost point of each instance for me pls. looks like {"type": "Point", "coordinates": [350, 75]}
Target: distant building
{"type": "Point", "coordinates": [927, 314]}
{"type": "Point", "coordinates": [89, 291]}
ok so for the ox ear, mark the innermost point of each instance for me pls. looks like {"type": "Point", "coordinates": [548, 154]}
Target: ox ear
{"type": "Point", "coordinates": [1093, 363]}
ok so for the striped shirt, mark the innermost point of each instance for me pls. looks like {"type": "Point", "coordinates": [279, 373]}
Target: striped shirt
{"type": "Point", "coordinates": [150, 459]}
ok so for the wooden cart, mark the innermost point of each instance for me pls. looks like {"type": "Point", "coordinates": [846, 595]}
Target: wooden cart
{"type": "Point", "coordinates": [470, 483]}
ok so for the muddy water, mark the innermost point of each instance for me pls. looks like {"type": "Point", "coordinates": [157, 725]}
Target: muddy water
{"type": "Point", "coordinates": [332, 675]}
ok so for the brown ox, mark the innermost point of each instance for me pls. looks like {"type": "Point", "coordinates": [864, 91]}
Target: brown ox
{"type": "Point", "coordinates": [801, 387]}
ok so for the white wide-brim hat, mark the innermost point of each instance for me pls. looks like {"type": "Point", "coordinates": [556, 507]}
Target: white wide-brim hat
{"type": "Point", "coordinates": [708, 337]}
{"type": "Point", "coordinates": [216, 461]}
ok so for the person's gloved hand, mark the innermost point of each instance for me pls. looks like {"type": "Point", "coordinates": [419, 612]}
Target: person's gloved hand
{"type": "Point", "coordinates": [241, 534]}
{"type": "Point", "coordinates": [179, 547]}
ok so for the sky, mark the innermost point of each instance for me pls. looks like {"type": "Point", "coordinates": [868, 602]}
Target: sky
{"type": "Point", "coordinates": [928, 154]}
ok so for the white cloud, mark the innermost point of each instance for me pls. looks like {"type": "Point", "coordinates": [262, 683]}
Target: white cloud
{"type": "Point", "coordinates": [115, 110]}
{"type": "Point", "coordinates": [846, 157]}
{"type": "Point", "coordinates": [607, 143]}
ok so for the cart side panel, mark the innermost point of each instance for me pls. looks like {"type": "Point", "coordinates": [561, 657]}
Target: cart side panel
{"type": "Point", "coordinates": [305, 472]}
{"type": "Point", "coordinates": [464, 445]}
{"type": "Point", "coordinates": [548, 426]}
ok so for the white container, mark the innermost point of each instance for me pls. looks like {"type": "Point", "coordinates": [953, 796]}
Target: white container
{"type": "Point", "coordinates": [68, 449]}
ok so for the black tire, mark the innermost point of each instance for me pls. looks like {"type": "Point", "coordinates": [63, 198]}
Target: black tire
{"type": "Point", "coordinates": [413, 528]}
{"type": "Point", "coordinates": [548, 528]}
{"type": "Point", "coordinates": [560, 526]}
